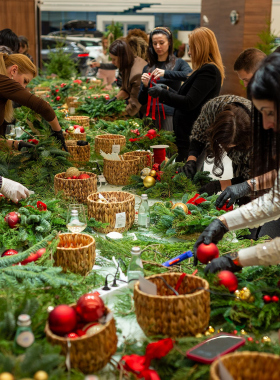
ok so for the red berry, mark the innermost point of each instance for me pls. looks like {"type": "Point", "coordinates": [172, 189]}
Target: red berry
{"type": "Point", "coordinates": [267, 299]}
{"type": "Point", "coordinates": [235, 332]}
{"type": "Point", "coordinates": [74, 177]}
{"type": "Point", "coordinates": [83, 176]}
{"type": "Point", "coordinates": [57, 90]}
{"type": "Point", "coordinates": [275, 299]}
{"type": "Point", "coordinates": [72, 335]}
{"type": "Point", "coordinates": [107, 97]}
{"type": "Point", "coordinates": [57, 98]}
{"type": "Point", "coordinates": [250, 339]}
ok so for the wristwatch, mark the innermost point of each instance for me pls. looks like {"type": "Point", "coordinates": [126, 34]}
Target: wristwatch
{"type": "Point", "coordinates": [253, 182]}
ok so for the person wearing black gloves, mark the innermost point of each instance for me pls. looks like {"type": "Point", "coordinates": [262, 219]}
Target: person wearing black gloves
{"type": "Point", "coordinates": [203, 84]}
{"type": "Point", "coordinates": [167, 70]}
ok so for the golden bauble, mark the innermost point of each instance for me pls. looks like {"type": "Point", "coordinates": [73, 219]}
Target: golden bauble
{"type": "Point", "coordinates": [237, 293]}
{"type": "Point", "coordinates": [145, 172]}
{"type": "Point", "coordinates": [245, 294]}
{"type": "Point", "coordinates": [6, 376]}
{"type": "Point", "coordinates": [220, 330]}
{"type": "Point", "coordinates": [153, 173]}
{"type": "Point", "coordinates": [243, 332]}
{"type": "Point", "coordinates": [207, 333]}
{"type": "Point", "coordinates": [199, 335]}
{"type": "Point", "coordinates": [182, 205]}
{"type": "Point", "coordinates": [211, 329]}
{"type": "Point", "coordinates": [149, 181]}
{"type": "Point", "coordinates": [41, 375]}
{"type": "Point", "coordinates": [84, 87]}
{"type": "Point", "coordinates": [71, 129]}
{"type": "Point", "coordinates": [251, 299]}
{"type": "Point", "coordinates": [266, 339]}
{"type": "Point", "coordinates": [70, 172]}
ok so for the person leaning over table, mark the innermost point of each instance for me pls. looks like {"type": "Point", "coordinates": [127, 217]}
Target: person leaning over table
{"type": "Point", "coordinates": [16, 71]}
{"type": "Point", "coordinates": [265, 94]}
{"type": "Point", "coordinates": [13, 190]}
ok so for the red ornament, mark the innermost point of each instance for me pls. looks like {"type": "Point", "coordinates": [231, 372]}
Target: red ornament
{"type": "Point", "coordinates": [156, 167]}
{"type": "Point", "coordinates": [250, 339]}
{"type": "Point", "coordinates": [9, 252]}
{"type": "Point", "coordinates": [13, 219]}
{"type": "Point", "coordinates": [69, 177]}
{"type": "Point", "coordinates": [83, 176]}
{"type": "Point", "coordinates": [41, 206]}
{"type": "Point", "coordinates": [74, 177]}
{"type": "Point", "coordinates": [62, 319]}
{"type": "Point", "coordinates": [235, 332]}
{"type": "Point", "coordinates": [33, 141]}
{"type": "Point", "coordinates": [152, 133]}
{"type": "Point", "coordinates": [90, 307]}
{"type": "Point", "coordinates": [229, 280]}
{"type": "Point", "coordinates": [34, 256]}
{"type": "Point", "coordinates": [63, 85]}
{"type": "Point", "coordinates": [79, 81]}
{"type": "Point", "coordinates": [57, 98]}
{"type": "Point", "coordinates": [81, 128]}
{"type": "Point", "coordinates": [80, 332]}
{"type": "Point", "coordinates": [206, 253]}
{"type": "Point", "coordinates": [57, 90]}
{"type": "Point", "coordinates": [72, 335]}
{"type": "Point", "coordinates": [275, 299]}
{"type": "Point", "coordinates": [267, 299]}
{"type": "Point", "coordinates": [107, 97]}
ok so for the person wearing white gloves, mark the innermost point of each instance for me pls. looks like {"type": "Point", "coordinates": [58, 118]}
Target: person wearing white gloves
{"type": "Point", "coordinates": [265, 94]}
{"type": "Point", "coordinates": [13, 190]}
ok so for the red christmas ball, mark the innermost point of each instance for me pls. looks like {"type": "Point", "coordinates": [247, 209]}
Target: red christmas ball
{"type": "Point", "coordinates": [34, 256]}
{"type": "Point", "coordinates": [250, 339]}
{"type": "Point", "coordinates": [206, 253]}
{"type": "Point", "coordinates": [57, 98]}
{"type": "Point", "coordinates": [83, 176]}
{"type": "Point", "coordinates": [13, 219]}
{"type": "Point", "coordinates": [229, 280]}
{"type": "Point", "coordinates": [9, 252]}
{"type": "Point", "coordinates": [62, 319]}
{"type": "Point", "coordinates": [57, 90]}
{"type": "Point", "coordinates": [74, 177]}
{"type": "Point", "coordinates": [72, 335]}
{"type": "Point", "coordinates": [152, 132]}
{"type": "Point", "coordinates": [275, 299]}
{"type": "Point", "coordinates": [267, 299]}
{"type": "Point", "coordinates": [107, 97]}
{"type": "Point", "coordinates": [90, 307]}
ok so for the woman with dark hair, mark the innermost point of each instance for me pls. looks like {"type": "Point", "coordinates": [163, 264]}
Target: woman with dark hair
{"type": "Point", "coordinates": [203, 84]}
{"type": "Point", "coordinates": [167, 70]}
{"type": "Point", "coordinates": [130, 68]}
{"type": "Point", "coordinates": [10, 39]}
{"type": "Point", "coordinates": [264, 91]}
{"type": "Point", "coordinates": [24, 46]}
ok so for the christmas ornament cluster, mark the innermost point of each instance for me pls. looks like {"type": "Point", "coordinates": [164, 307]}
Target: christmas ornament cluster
{"type": "Point", "coordinates": [75, 129]}
{"type": "Point", "coordinates": [74, 173]}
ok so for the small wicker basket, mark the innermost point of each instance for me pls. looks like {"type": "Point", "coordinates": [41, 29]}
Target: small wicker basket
{"type": "Point", "coordinates": [106, 142]}
{"type": "Point", "coordinates": [118, 172]}
{"type": "Point", "coordinates": [75, 136]}
{"type": "Point", "coordinates": [88, 353]}
{"type": "Point", "coordinates": [145, 158]}
{"type": "Point", "coordinates": [78, 189]}
{"type": "Point", "coordinates": [75, 252]}
{"type": "Point", "coordinates": [119, 202]}
{"type": "Point", "coordinates": [71, 99]}
{"type": "Point", "coordinates": [248, 365]}
{"type": "Point", "coordinates": [80, 120]}
{"type": "Point", "coordinates": [78, 154]}
{"type": "Point", "coordinates": [171, 315]}
{"type": "Point", "coordinates": [41, 88]}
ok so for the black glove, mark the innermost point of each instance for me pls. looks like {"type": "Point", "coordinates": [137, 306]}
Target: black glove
{"type": "Point", "coordinates": [59, 136]}
{"type": "Point", "coordinates": [211, 188]}
{"type": "Point", "coordinates": [82, 143]}
{"type": "Point", "coordinates": [189, 169]}
{"type": "Point", "coordinates": [222, 263]}
{"type": "Point", "coordinates": [23, 144]}
{"type": "Point", "coordinates": [111, 100]}
{"type": "Point", "coordinates": [212, 234]}
{"type": "Point", "coordinates": [233, 193]}
{"type": "Point", "coordinates": [155, 91]}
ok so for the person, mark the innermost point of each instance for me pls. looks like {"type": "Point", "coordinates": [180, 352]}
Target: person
{"type": "Point", "coordinates": [130, 69]}
{"type": "Point", "coordinates": [166, 69]}
{"type": "Point", "coordinates": [10, 39]}
{"type": "Point", "coordinates": [13, 190]}
{"type": "Point", "coordinates": [24, 46]}
{"type": "Point", "coordinates": [16, 71]}
{"type": "Point", "coordinates": [108, 75]}
{"type": "Point", "coordinates": [247, 63]}
{"type": "Point", "coordinates": [139, 42]}
{"type": "Point", "coordinates": [264, 91]}
{"type": "Point", "coordinates": [203, 84]}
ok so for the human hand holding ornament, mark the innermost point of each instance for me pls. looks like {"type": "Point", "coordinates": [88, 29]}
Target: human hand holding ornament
{"type": "Point", "coordinates": [228, 262]}
{"type": "Point", "coordinates": [13, 190]}
{"type": "Point", "coordinates": [233, 193]}
{"type": "Point", "coordinates": [157, 73]}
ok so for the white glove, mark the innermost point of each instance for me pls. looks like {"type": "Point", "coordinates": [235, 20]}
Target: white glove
{"type": "Point", "coordinates": [14, 190]}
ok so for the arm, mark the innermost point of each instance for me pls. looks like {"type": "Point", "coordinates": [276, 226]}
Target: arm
{"type": "Point", "coordinates": [133, 105]}
{"type": "Point", "coordinates": [180, 72]}
{"type": "Point", "coordinates": [261, 254]}
{"type": "Point", "coordinates": [107, 66]}
{"type": "Point", "coordinates": [122, 95]}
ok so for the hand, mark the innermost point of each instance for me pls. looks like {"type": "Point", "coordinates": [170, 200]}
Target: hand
{"type": "Point", "coordinates": [157, 73]}
{"type": "Point", "coordinates": [233, 193]}
{"type": "Point", "coordinates": [111, 100]}
{"type": "Point", "coordinates": [211, 188]}
{"type": "Point", "coordinates": [212, 234]}
{"type": "Point", "coordinates": [155, 91]}
{"type": "Point", "coordinates": [23, 144]}
{"type": "Point", "coordinates": [59, 136]}
{"type": "Point", "coordinates": [95, 64]}
{"type": "Point", "coordinates": [222, 263]}
{"type": "Point", "coordinates": [189, 169]}
{"type": "Point", "coordinates": [13, 190]}
{"type": "Point", "coordinates": [145, 79]}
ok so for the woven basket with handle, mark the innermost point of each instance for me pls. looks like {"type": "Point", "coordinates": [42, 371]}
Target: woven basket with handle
{"type": "Point", "coordinates": [118, 172]}
{"type": "Point", "coordinates": [145, 158]}
{"type": "Point", "coordinates": [78, 154]}
{"type": "Point", "coordinates": [78, 189]}
{"type": "Point", "coordinates": [107, 212]}
{"type": "Point", "coordinates": [248, 365]}
{"type": "Point", "coordinates": [170, 315]}
{"type": "Point", "coordinates": [76, 253]}
{"type": "Point", "coordinates": [106, 142]}
{"type": "Point", "coordinates": [88, 353]}
{"type": "Point", "coordinates": [79, 120]}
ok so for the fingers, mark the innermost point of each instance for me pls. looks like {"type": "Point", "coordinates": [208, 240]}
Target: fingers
{"type": "Point", "coordinates": [222, 199]}
{"type": "Point", "coordinates": [231, 202]}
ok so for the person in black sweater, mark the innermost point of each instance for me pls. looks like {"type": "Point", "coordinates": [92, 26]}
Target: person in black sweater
{"type": "Point", "coordinates": [202, 85]}
{"type": "Point", "coordinates": [166, 69]}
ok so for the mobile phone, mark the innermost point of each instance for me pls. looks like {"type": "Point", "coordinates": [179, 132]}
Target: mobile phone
{"type": "Point", "coordinates": [218, 345]}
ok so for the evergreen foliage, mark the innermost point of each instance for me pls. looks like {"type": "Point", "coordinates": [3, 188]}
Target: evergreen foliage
{"type": "Point", "coordinates": [97, 108]}
{"type": "Point", "coordinates": [60, 63]}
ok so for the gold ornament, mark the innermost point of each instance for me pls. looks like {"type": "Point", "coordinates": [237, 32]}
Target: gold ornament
{"type": "Point", "coordinates": [207, 333]}
{"type": "Point", "coordinates": [220, 330]}
{"type": "Point", "coordinates": [70, 172]}
{"type": "Point", "coordinates": [266, 339]}
{"type": "Point", "coordinates": [84, 87]}
{"type": "Point", "coordinates": [41, 375]}
{"type": "Point", "coordinates": [149, 181]}
{"type": "Point", "coordinates": [182, 205]}
{"type": "Point", "coordinates": [211, 329]}
{"type": "Point", "coordinates": [145, 172]}
{"type": "Point", "coordinates": [6, 376]}
{"type": "Point", "coordinates": [153, 173]}
{"type": "Point", "coordinates": [245, 294]}
{"type": "Point", "coordinates": [71, 129]}
{"type": "Point", "coordinates": [199, 335]}
{"type": "Point", "coordinates": [243, 332]}
{"type": "Point", "coordinates": [251, 299]}
{"type": "Point", "coordinates": [237, 293]}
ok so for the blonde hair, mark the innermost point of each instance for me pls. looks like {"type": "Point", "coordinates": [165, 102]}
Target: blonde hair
{"type": "Point", "coordinates": [204, 49]}
{"type": "Point", "coordinates": [24, 66]}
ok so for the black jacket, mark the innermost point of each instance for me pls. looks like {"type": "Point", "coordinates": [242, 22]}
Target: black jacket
{"type": "Point", "coordinates": [201, 86]}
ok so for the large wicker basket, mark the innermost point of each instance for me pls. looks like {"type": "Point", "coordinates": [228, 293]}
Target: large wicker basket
{"type": "Point", "coordinates": [119, 202]}
{"type": "Point", "coordinates": [170, 315]}
{"type": "Point", "coordinates": [78, 189]}
{"type": "Point", "coordinates": [78, 154]}
{"type": "Point", "coordinates": [80, 120]}
{"type": "Point", "coordinates": [106, 142]}
{"type": "Point", "coordinates": [76, 253]}
{"type": "Point", "coordinates": [118, 172]}
{"type": "Point", "coordinates": [248, 365]}
{"type": "Point", "coordinates": [75, 136]}
{"type": "Point", "coordinates": [88, 353]}
{"type": "Point", "coordinates": [145, 158]}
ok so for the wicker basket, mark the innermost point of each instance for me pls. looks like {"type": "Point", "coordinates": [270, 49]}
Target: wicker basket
{"type": "Point", "coordinates": [79, 257]}
{"type": "Point", "coordinates": [88, 353]}
{"type": "Point", "coordinates": [145, 158]}
{"type": "Point", "coordinates": [106, 142]}
{"type": "Point", "coordinates": [80, 120]}
{"type": "Point", "coordinates": [78, 154]}
{"type": "Point", "coordinates": [170, 315]}
{"type": "Point", "coordinates": [71, 99]}
{"type": "Point", "coordinates": [78, 189]}
{"type": "Point", "coordinates": [41, 88]}
{"type": "Point", "coordinates": [75, 136]}
{"type": "Point", "coordinates": [107, 212]}
{"type": "Point", "coordinates": [118, 172]}
{"type": "Point", "coordinates": [248, 365]}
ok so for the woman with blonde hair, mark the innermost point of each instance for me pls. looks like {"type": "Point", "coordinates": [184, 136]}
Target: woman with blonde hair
{"type": "Point", "coordinates": [203, 84]}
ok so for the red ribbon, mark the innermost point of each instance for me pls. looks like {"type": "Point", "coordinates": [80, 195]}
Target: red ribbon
{"type": "Point", "coordinates": [41, 206]}
{"type": "Point", "coordinates": [196, 200]}
{"type": "Point", "coordinates": [225, 207]}
{"type": "Point", "coordinates": [139, 365]}
{"type": "Point", "coordinates": [179, 282]}
{"type": "Point", "coordinates": [155, 102]}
